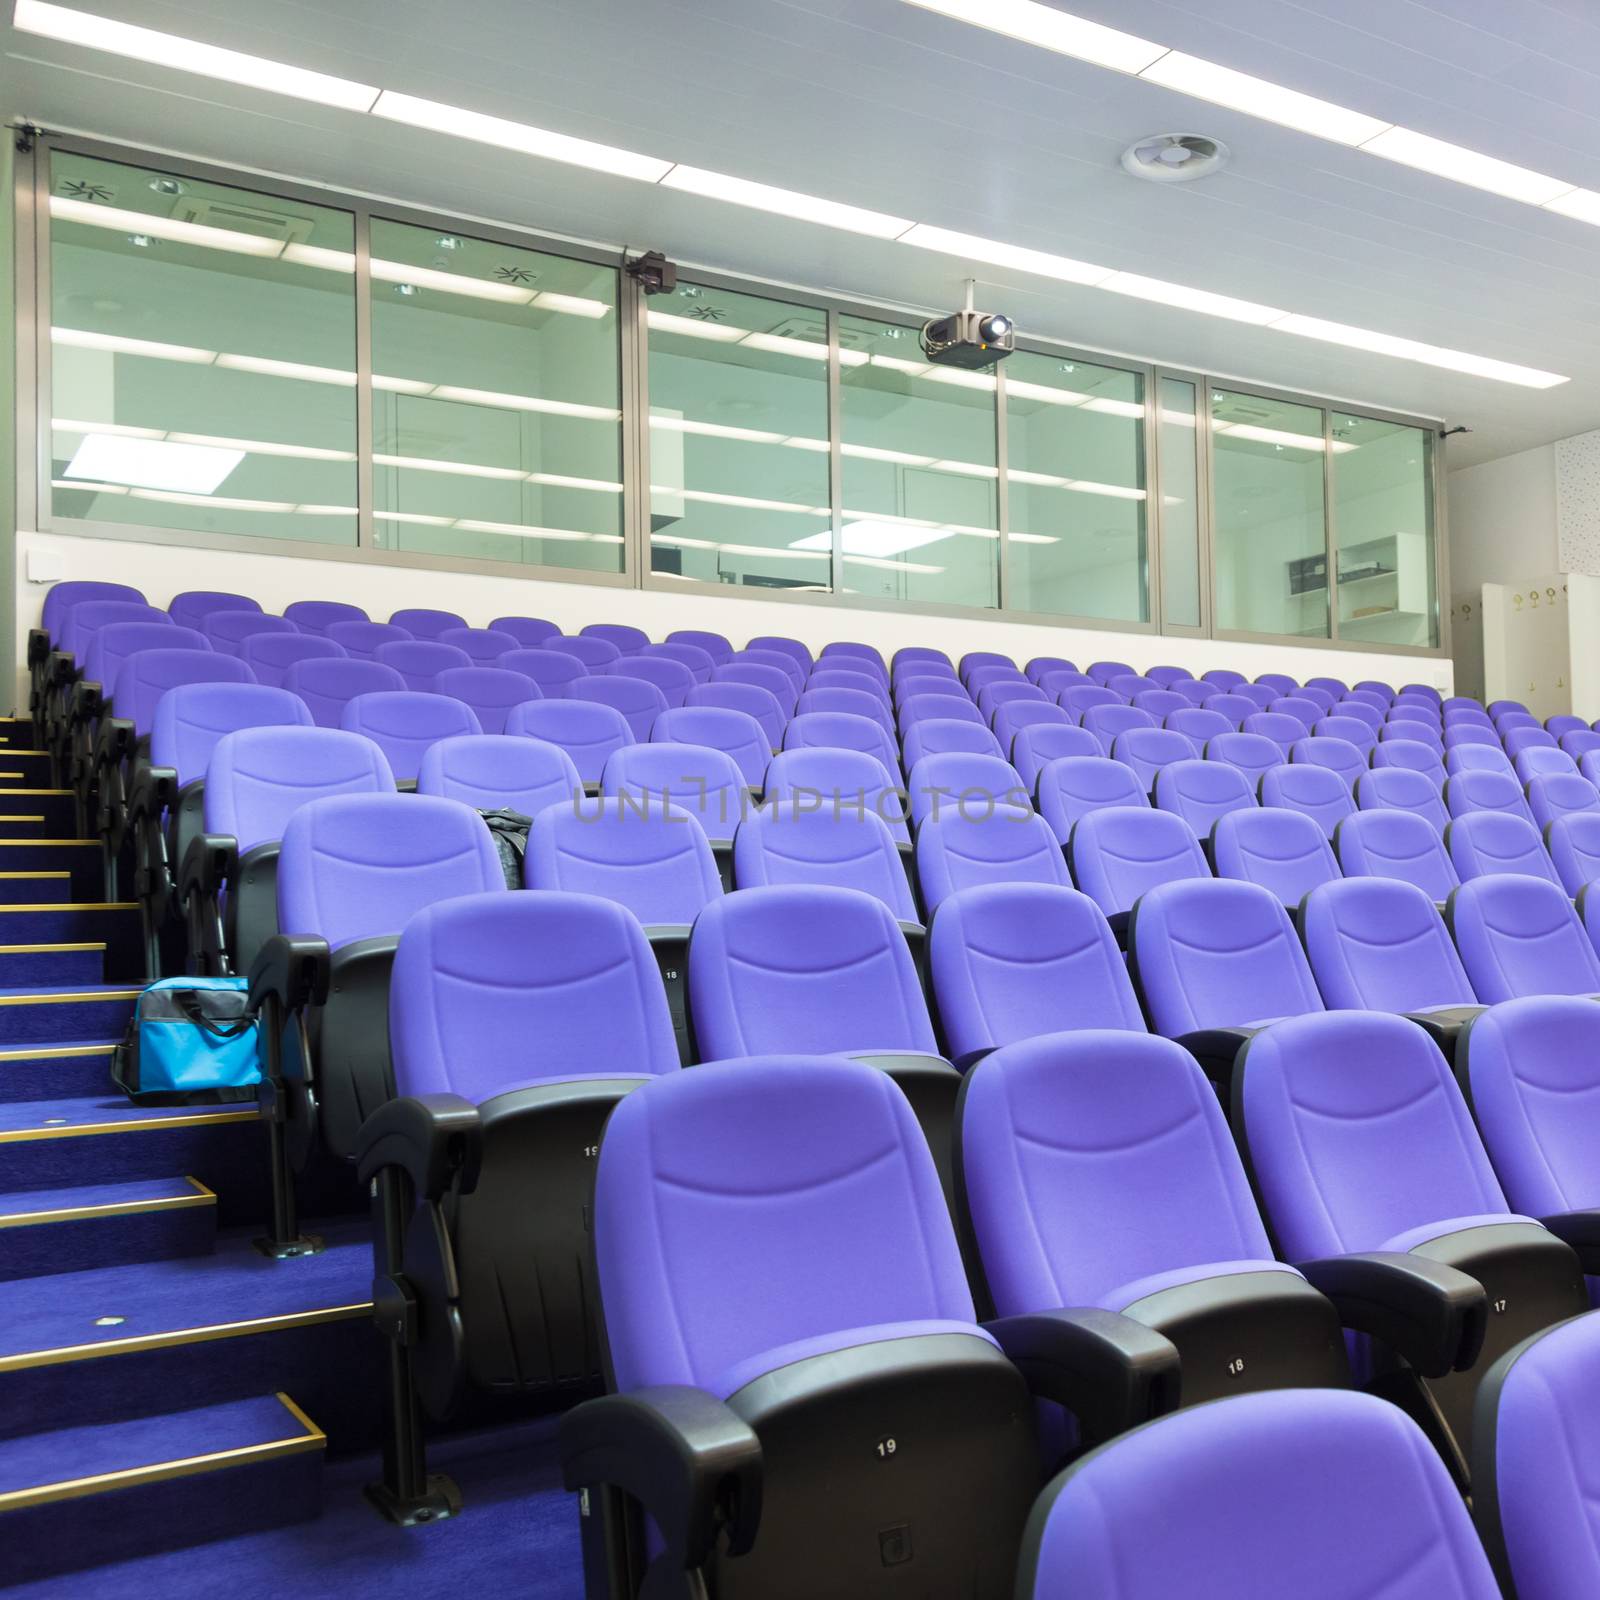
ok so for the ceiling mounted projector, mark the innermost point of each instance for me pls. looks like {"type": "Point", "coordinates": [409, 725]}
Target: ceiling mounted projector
{"type": "Point", "coordinates": [1174, 157]}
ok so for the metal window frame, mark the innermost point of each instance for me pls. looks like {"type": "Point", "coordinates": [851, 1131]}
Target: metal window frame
{"type": "Point", "coordinates": [1434, 487]}
{"type": "Point", "coordinates": [30, 202]}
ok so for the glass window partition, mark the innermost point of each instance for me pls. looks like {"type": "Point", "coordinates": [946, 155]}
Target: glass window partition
{"type": "Point", "coordinates": [1269, 521]}
{"type": "Point", "coordinates": [921, 471]}
{"type": "Point", "coordinates": [739, 465]}
{"type": "Point", "coordinates": [1383, 517]}
{"type": "Point", "coordinates": [202, 355]}
{"type": "Point", "coordinates": [497, 401]}
{"type": "Point", "coordinates": [1178, 452]}
{"type": "Point", "coordinates": [1075, 482]}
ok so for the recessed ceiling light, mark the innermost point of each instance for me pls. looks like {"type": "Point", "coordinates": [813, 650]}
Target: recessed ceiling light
{"type": "Point", "coordinates": [1053, 30]}
{"type": "Point", "coordinates": [1222, 86]}
{"type": "Point", "coordinates": [168, 186]}
{"type": "Point", "coordinates": [188, 55]}
{"type": "Point", "coordinates": [1584, 204]}
{"type": "Point", "coordinates": [439, 118]}
{"type": "Point", "coordinates": [784, 202]}
{"type": "Point", "coordinates": [152, 463]}
{"type": "Point", "coordinates": [1177, 294]}
{"type": "Point", "coordinates": [1465, 166]}
{"type": "Point", "coordinates": [996, 254]}
{"type": "Point", "coordinates": [1387, 344]}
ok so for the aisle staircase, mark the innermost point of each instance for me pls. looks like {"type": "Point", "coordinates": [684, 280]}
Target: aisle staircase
{"type": "Point", "coordinates": [144, 1342]}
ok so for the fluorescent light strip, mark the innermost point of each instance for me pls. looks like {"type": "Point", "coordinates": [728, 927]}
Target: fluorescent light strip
{"type": "Point", "coordinates": [288, 369]}
{"type": "Point", "coordinates": [518, 136]}
{"type": "Point", "coordinates": [117, 220]}
{"type": "Point", "coordinates": [784, 202]}
{"type": "Point", "coordinates": [1026, 20]}
{"type": "Point", "coordinates": [460, 469]}
{"type": "Point", "coordinates": [715, 430]}
{"type": "Point", "coordinates": [525, 402]}
{"type": "Point", "coordinates": [215, 502]}
{"type": "Point", "coordinates": [81, 339]}
{"type": "Point", "coordinates": [451, 283]}
{"type": "Point", "coordinates": [169, 50]}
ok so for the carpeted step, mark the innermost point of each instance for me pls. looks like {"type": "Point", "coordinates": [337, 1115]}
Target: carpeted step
{"type": "Point", "coordinates": [39, 887]}
{"type": "Point", "coordinates": [48, 1231]}
{"type": "Point", "coordinates": [55, 809]}
{"type": "Point", "coordinates": [77, 1497]}
{"type": "Point", "coordinates": [57, 1071]}
{"type": "Point", "coordinates": [50, 1144]}
{"type": "Point", "coordinates": [16, 733]}
{"type": "Point", "coordinates": [45, 1016]}
{"type": "Point", "coordinates": [122, 1341]}
{"type": "Point", "coordinates": [81, 858]}
{"type": "Point", "coordinates": [24, 769]}
{"type": "Point", "coordinates": [37, 966]}
{"type": "Point", "coordinates": [115, 924]}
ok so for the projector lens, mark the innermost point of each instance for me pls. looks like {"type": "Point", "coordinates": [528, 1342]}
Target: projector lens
{"type": "Point", "coordinates": [996, 327]}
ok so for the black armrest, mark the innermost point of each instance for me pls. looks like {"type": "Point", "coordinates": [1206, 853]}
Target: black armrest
{"type": "Point", "coordinates": [1580, 1229]}
{"type": "Point", "coordinates": [38, 646]}
{"type": "Point", "coordinates": [1111, 1372]}
{"type": "Point", "coordinates": [86, 703]}
{"type": "Point", "coordinates": [1428, 1312]}
{"type": "Point", "coordinates": [435, 1139]}
{"type": "Point", "coordinates": [291, 969]}
{"type": "Point", "coordinates": [60, 668]}
{"type": "Point", "coordinates": [207, 865]}
{"type": "Point", "coordinates": [689, 1460]}
{"type": "Point", "coordinates": [152, 793]}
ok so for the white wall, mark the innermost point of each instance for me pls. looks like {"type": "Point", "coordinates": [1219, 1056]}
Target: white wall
{"type": "Point", "coordinates": [163, 570]}
{"type": "Point", "coordinates": [1503, 522]}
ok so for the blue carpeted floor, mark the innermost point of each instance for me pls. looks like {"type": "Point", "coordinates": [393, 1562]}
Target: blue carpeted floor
{"type": "Point", "coordinates": [518, 1536]}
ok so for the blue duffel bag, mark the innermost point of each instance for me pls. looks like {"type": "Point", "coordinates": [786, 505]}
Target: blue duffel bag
{"type": "Point", "coordinates": [189, 1042]}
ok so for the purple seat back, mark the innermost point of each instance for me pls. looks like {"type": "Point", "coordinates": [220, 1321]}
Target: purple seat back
{"type": "Point", "coordinates": [842, 731]}
{"type": "Point", "coordinates": [529, 632]}
{"type": "Point", "coordinates": [1541, 761]}
{"type": "Point", "coordinates": [270, 655]}
{"type": "Point", "coordinates": [1400, 789]}
{"type": "Point", "coordinates": [1148, 750]}
{"type": "Point", "coordinates": [1036, 744]}
{"type": "Point", "coordinates": [978, 781]}
{"type": "Point", "coordinates": [1197, 725]}
{"type": "Point", "coordinates": [1482, 842]}
{"type": "Point", "coordinates": [328, 685]}
{"type": "Point", "coordinates": [797, 652]}
{"type": "Point", "coordinates": [1252, 753]}
{"type": "Point", "coordinates": [1319, 792]}
{"type": "Point", "coordinates": [491, 692]}
{"type": "Point", "coordinates": [361, 640]}
{"type": "Point", "coordinates": [1415, 755]}
{"type": "Point", "coordinates": [360, 866]}
{"type": "Point", "coordinates": [259, 777]}
{"type": "Point", "coordinates": [1235, 707]}
{"type": "Point", "coordinates": [698, 661]}
{"type": "Point", "coordinates": [1106, 723]}
{"type": "Point", "coordinates": [1477, 758]}
{"type": "Point", "coordinates": [588, 732]}
{"type": "Point", "coordinates": [672, 678]}
{"type": "Point", "coordinates": [1161, 703]}
{"type": "Point", "coordinates": [942, 707]}
{"type": "Point", "coordinates": [1357, 1134]}
{"type": "Point", "coordinates": [61, 599]}
{"type": "Point", "coordinates": [744, 699]}
{"type": "Point", "coordinates": [1079, 698]}
{"type": "Point", "coordinates": [736, 735]}
{"type": "Point", "coordinates": [958, 848]}
{"type": "Point", "coordinates": [691, 778]}
{"type": "Point", "coordinates": [494, 772]}
{"type": "Point", "coordinates": [191, 717]}
{"type": "Point", "coordinates": [1338, 755]}
{"type": "Point", "coordinates": [1202, 791]}
{"type": "Point", "coordinates": [404, 722]}
{"type": "Point", "coordinates": [422, 623]}
{"type": "Point", "coordinates": [1485, 791]}
{"type": "Point", "coordinates": [1010, 961]}
{"type": "Point", "coordinates": [1354, 730]}
{"type": "Point", "coordinates": [1282, 730]}
{"type": "Point", "coordinates": [715, 645]}
{"type": "Point", "coordinates": [227, 630]}
{"type": "Point", "coordinates": [1070, 787]}
{"type": "Point", "coordinates": [916, 658]}
{"type": "Point", "coordinates": [1518, 935]}
{"type": "Point", "coordinates": [80, 624]}
{"type": "Point", "coordinates": [484, 645]}
{"type": "Point", "coordinates": [1257, 693]}
{"type": "Point", "coordinates": [1379, 944]}
{"type": "Point", "coordinates": [983, 658]}
{"type": "Point", "coordinates": [190, 608]}
{"type": "Point", "coordinates": [1094, 1530]}
{"type": "Point", "coordinates": [494, 992]}
{"type": "Point", "coordinates": [1396, 844]}
{"type": "Point", "coordinates": [939, 736]}
{"type": "Point", "coordinates": [317, 616]}
{"type": "Point", "coordinates": [1284, 851]}
{"type": "Point", "coordinates": [1573, 841]}
{"type": "Point", "coordinates": [1515, 740]}
{"type": "Point", "coordinates": [846, 849]}
{"type": "Point", "coordinates": [639, 702]}
{"type": "Point", "coordinates": [808, 967]}
{"type": "Point", "coordinates": [553, 671]}
{"type": "Point", "coordinates": [592, 652]}
{"type": "Point", "coordinates": [1040, 665]}
{"type": "Point", "coordinates": [657, 863]}
{"type": "Point", "coordinates": [110, 646]}
{"type": "Point", "coordinates": [846, 702]}
{"type": "Point", "coordinates": [1464, 733]}
{"type": "Point", "coordinates": [1217, 953]}
{"type": "Point", "coordinates": [1118, 853]}
{"type": "Point", "coordinates": [147, 675]}
{"type": "Point", "coordinates": [1080, 1192]}
{"type": "Point", "coordinates": [820, 777]}
{"type": "Point", "coordinates": [1224, 677]}
{"type": "Point", "coordinates": [420, 661]}
{"type": "Point", "coordinates": [776, 1185]}
{"type": "Point", "coordinates": [628, 639]}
